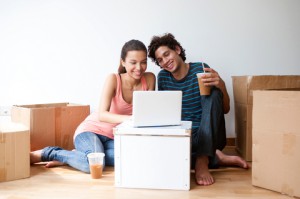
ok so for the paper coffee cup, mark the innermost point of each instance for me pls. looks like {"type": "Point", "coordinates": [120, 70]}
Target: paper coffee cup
{"type": "Point", "coordinates": [204, 90]}
{"type": "Point", "coordinates": [96, 164]}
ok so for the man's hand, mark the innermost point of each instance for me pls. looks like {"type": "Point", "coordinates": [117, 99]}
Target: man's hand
{"type": "Point", "coordinates": [212, 78]}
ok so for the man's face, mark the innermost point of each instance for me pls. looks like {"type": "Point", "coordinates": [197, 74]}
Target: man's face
{"type": "Point", "coordinates": [168, 59]}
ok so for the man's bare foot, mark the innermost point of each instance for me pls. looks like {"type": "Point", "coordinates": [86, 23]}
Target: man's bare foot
{"type": "Point", "coordinates": [35, 156]}
{"type": "Point", "coordinates": [54, 163]}
{"type": "Point", "coordinates": [202, 174]}
{"type": "Point", "coordinates": [231, 160]}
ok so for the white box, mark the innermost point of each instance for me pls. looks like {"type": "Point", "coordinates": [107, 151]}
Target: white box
{"type": "Point", "coordinates": [153, 157]}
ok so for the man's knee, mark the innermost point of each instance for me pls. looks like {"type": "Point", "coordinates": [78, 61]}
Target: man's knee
{"type": "Point", "coordinates": [215, 99]}
{"type": "Point", "coordinates": [216, 94]}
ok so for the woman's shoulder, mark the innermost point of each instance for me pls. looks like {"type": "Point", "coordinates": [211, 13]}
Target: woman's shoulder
{"type": "Point", "coordinates": [149, 75]}
{"type": "Point", "coordinates": [150, 79]}
{"type": "Point", "coordinates": [111, 80]}
{"type": "Point", "coordinates": [112, 77]}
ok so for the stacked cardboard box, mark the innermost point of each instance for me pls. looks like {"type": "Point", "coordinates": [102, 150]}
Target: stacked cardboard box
{"type": "Point", "coordinates": [14, 151]}
{"type": "Point", "coordinates": [276, 141]}
{"type": "Point", "coordinates": [50, 124]}
{"type": "Point", "coordinates": [243, 87]}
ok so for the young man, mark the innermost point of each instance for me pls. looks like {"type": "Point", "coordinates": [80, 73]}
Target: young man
{"type": "Point", "coordinates": [205, 112]}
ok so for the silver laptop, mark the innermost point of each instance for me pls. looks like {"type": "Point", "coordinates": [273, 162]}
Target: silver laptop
{"type": "Point", "coordinates": [156, 108]}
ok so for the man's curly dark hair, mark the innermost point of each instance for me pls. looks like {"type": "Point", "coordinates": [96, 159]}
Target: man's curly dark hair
{"type": "Point", "coordinates": [166, 40]}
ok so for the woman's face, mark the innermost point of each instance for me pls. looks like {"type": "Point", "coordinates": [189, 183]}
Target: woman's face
{"type": "Point", "coordinates": [135, 63]}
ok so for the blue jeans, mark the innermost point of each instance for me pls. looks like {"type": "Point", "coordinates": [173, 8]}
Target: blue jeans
{"type": "Point", "coordinates": [85, 143]}
{"type": "Point", "coordinates": [211, 134]}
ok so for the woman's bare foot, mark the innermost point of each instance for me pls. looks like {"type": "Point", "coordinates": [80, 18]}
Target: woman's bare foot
{"type": "Point", "coordinates": [202, 174]}
{"type": "Point", "coordinates": [54, 163]}
{"type": "Point", "coordinates": [228, 160]}
{"type": "Point", "coordinates": [35, 156]}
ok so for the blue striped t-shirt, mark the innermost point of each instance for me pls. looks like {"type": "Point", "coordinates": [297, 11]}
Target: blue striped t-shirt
{"type": "Point", "coordinates": [191, 99]}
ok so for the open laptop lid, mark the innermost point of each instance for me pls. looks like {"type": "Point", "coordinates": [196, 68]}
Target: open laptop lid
{"type": "Point", "coordinates": [156, 108]}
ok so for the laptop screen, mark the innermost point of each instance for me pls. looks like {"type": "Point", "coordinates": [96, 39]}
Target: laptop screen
{"type": "Point", "coordinates": [156, 108]}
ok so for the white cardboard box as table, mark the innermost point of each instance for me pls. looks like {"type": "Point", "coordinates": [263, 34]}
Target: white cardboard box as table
{"type": "Point", "coordinates": [153, 157]}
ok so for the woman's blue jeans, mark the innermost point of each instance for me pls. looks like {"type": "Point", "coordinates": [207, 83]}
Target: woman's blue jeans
{"type": "Point", "coordinates": [211, 134]}
{"type": "Point", "coordinates": [85, 143]}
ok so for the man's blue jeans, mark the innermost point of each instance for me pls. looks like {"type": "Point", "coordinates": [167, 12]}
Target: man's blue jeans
{"type": "Point", "coordinates": [85, 143]}
{"type": "Point", "coordinates": [211, 134]}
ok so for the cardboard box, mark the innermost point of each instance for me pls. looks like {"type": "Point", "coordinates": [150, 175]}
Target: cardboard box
{"type": "Point", "coordinates": [276, 141]}
{"type": "Point", "coordinates": [243, 87]}
{"type": "Point", "coordinates": [14, 151]}
{"type": "Point", "coordinates": [153, 157]}
{"type": "Point", "coordinates": [50, 124]}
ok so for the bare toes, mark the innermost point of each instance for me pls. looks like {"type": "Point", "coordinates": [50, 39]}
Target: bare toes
{"type": "Point", "coordinates": [204, 181]}
{"type": "Point", "coordinates": [54, 163]}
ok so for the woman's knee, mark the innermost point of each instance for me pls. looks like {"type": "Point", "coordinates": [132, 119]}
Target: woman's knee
{"type": "Point", "coordinates": [86, 141]}
{"type": "Point", "coordinates": [85, 166]}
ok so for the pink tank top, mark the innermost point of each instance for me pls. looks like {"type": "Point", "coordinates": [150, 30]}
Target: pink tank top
{"type": "Point", "coordinates": [118, 106]}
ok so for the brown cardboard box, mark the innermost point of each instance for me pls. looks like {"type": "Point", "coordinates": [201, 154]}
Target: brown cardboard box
{"type": "Point", "coordinates": [14, 151]}
{"type": "Point", "coordinates": [243, 87]}
{"type": "Point", "coordinates": [50, 124]}
{"type": "Point", "coordinates": [276, 141]}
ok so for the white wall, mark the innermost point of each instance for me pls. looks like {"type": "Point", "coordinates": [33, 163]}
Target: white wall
{"type": "Point", "coordinates": [62, 50]}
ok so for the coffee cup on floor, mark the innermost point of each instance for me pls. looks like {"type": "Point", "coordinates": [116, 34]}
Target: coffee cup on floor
{"type": "Point", "coordinates": [96, 164]}
{"type": "Point", "coordinates": [204, 90]}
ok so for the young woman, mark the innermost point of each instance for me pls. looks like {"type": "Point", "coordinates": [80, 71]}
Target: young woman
{"type": "Point", "coordinates": [95, 133]}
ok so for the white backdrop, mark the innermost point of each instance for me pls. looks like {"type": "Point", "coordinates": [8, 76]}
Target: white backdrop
{"type": "Point", "coordinates": [62, 50]}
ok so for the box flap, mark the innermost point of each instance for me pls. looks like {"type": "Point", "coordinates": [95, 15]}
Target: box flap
{"type": "Point", "coordinates": [274, 82]}
{"type": "Point", "coordinates": [266, 82]}
{"type": "Point", "coordinates": [50, 105]}
{"type": "Point", "coordinates": [244, 85]}
{"type": "Point", "coordinates": [240, 85]}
